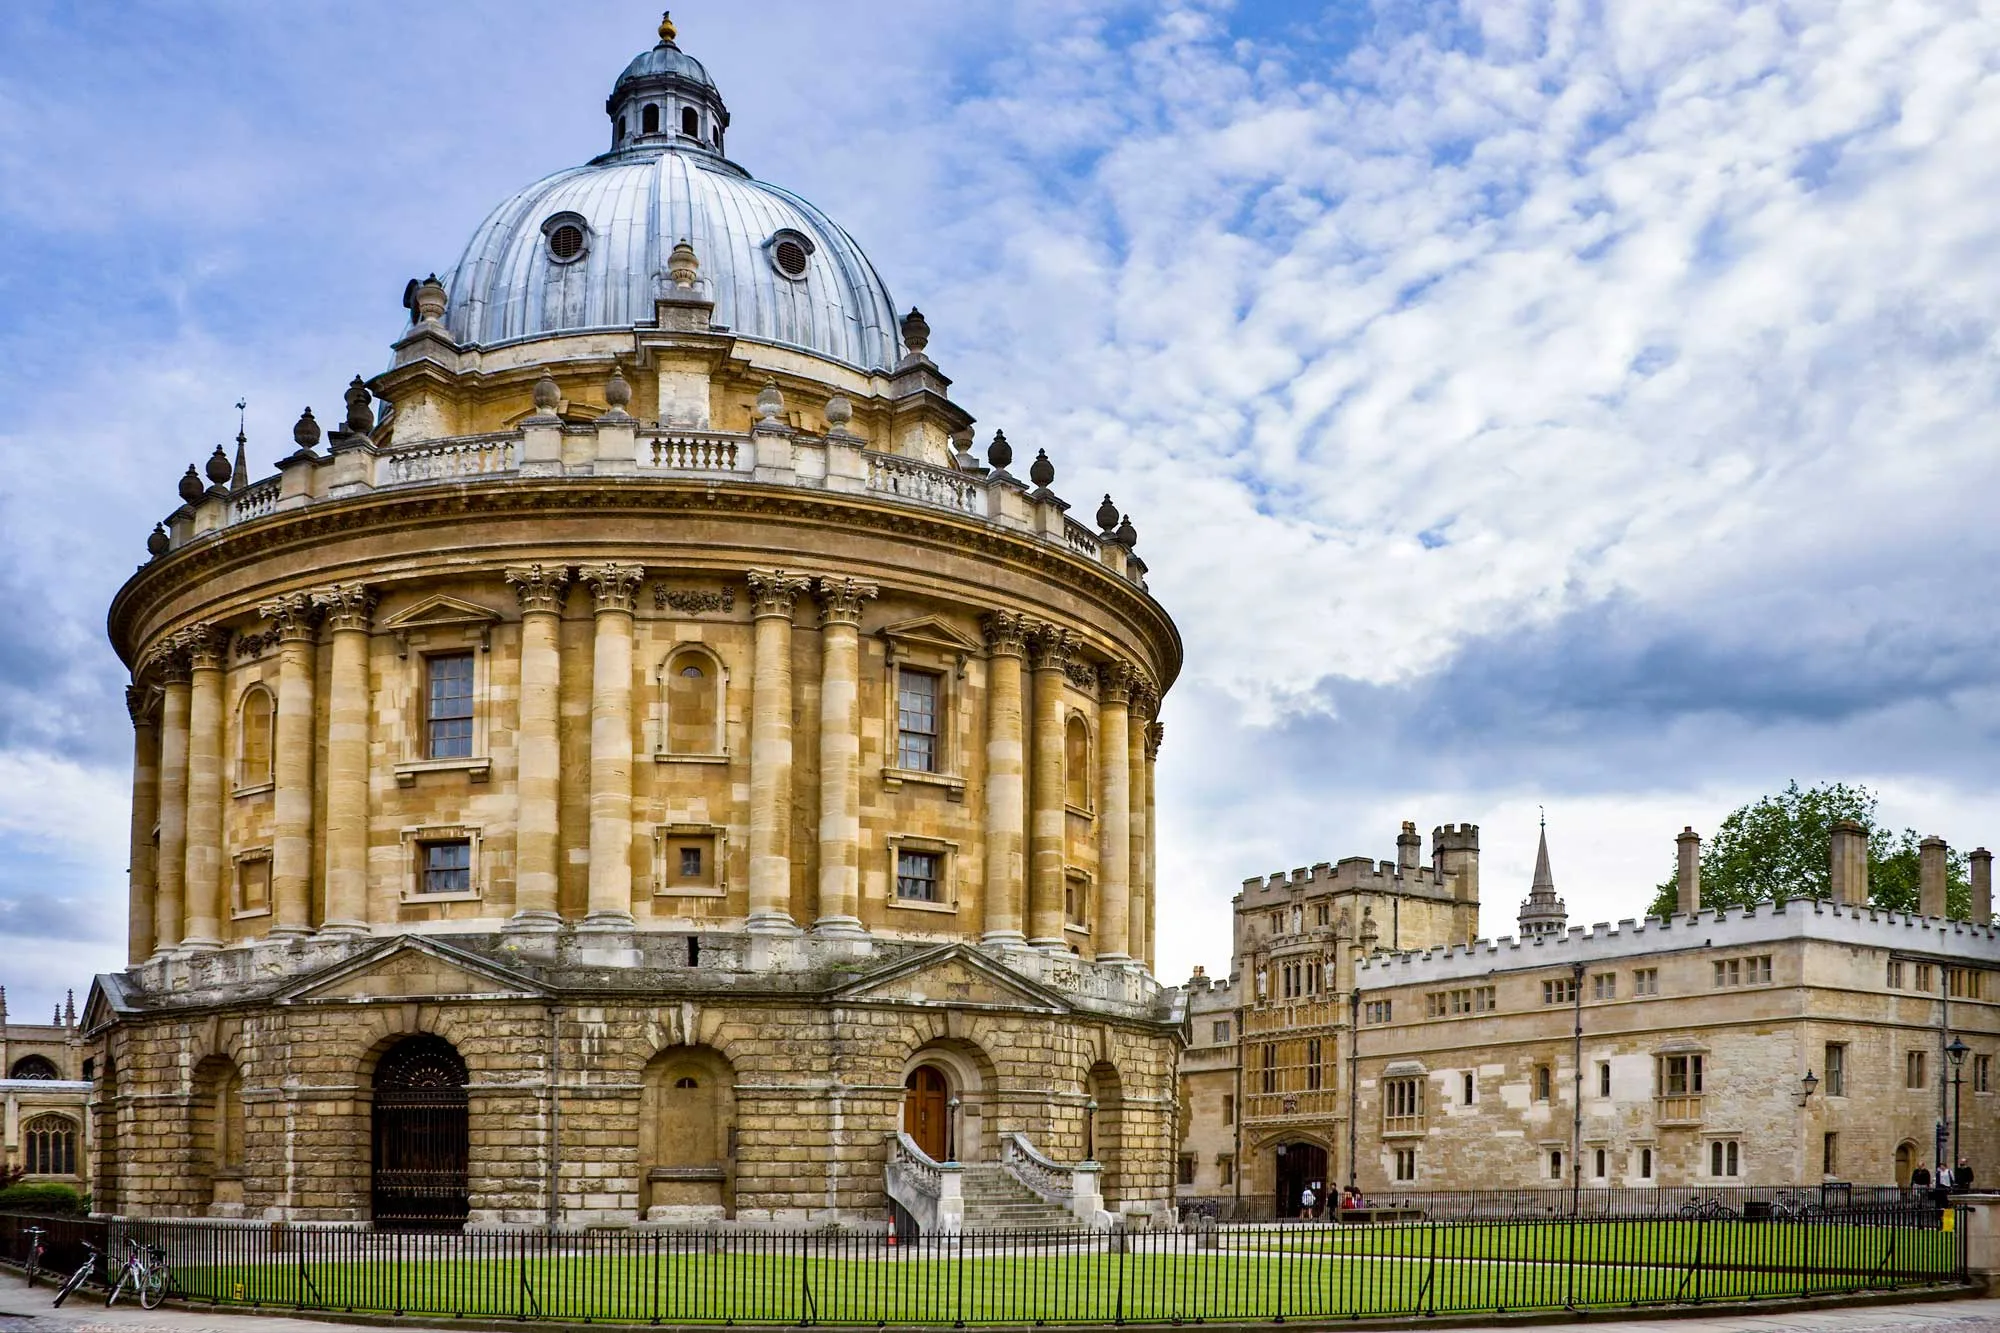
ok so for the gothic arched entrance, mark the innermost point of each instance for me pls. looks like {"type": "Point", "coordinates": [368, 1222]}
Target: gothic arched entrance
{"type": "Point", "coordinates": [925, 1115]}
{"type": "Point", "coordinates": [421, 1137]}
{"type": "Point", "coordinates": [1906, 1162]}
{"type": "Point", "coordinates": [1300, 1165]}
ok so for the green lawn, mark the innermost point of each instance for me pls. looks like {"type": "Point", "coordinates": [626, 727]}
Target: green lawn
{"type": "Point", "coordinates": [1261, 1274]}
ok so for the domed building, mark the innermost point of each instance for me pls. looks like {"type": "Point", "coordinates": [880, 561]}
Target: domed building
{"type": "Point", "coordinates": [641, 766]}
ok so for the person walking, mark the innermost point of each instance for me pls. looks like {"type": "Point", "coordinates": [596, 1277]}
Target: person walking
{"type": "Point", "coordinates": [1306, 1201]}
{"type": "Point", "coordinates": [1961, 1178]}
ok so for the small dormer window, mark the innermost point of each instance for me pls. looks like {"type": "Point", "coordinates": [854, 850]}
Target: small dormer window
{"type": "Point", "coordinates": [690, 122]}
{"type": "Point", "coordinates": [791, 253]}
{"type": "Point", "coordinates": [649, 120]}
{"type": "Point", "coordinates": [568, 237]}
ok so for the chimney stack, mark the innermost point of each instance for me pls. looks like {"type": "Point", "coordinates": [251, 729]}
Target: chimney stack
{"type": "Point", "coordinates": [1687, 885]}
{"type": "Point", "coordinates": [1409, 848]}
{"type": "Point", "coordinates": [1982, 886]}
{"type": "Point", "coordinates": [1930, 876]}
{"type": "Point", "coordinates": [1849, 855]}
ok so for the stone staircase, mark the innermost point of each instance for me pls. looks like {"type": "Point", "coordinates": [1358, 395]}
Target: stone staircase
{"type": "Point", "coordinates": [995, 1201]}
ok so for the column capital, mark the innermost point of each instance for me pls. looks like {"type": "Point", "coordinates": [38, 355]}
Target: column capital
{"type": "Point", "coordinates": [1155, 733]}
{"type": "Point", "coordinates": [1116, 682]}
{"type": "Point", "coordinates": [206, 646]}
{"type": "Point", "coordinates": [1006, 633]}
{"type": "Point", "coordinates": [776, 592]}
{"type": "Point", "coordinates": [346, 605]}
{"type": "Point", "coordinates": [1145, 694]}
{"type": "Point", "coordinates": [167, 662]}
{"type": "Point", "coordinates": [140, 700]}
{"type": "Point", "coordinates": [840, 599]}
{"type": "Point", "coordinates": [1050, 647]}
{"type": "Point", "coordinates": [296, 617]}
{"type": "Point", "coordinates": [539, 587]}
{"type": "Point", "coordinates": [615, 586]}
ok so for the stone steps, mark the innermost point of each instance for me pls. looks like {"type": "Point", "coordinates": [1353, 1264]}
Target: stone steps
{"type": "Point", "coordinates": [995, 1201]}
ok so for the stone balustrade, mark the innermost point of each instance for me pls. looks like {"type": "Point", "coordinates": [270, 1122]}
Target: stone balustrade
{"type": "Point", "coordinates": [1075, 1187]}
{"type": "Point", "coordinates": [930, 1191]}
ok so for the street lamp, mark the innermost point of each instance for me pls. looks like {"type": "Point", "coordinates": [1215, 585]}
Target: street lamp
{"type": "Point", "coordinates": [951, 1130]}
{"type": "Point", "coordinates": [1956, 1051]}
{"type": "Point", "coordinates": [1807, 1087]}
{"type": "Point", "coordinates": [1090, 1130]}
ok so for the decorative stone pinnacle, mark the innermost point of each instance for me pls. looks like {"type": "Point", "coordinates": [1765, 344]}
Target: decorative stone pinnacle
{"type": "Point", "coordinates": [426, 299]}
{"type": "Point", "coordinates": [1127, 536]}
{"type": "Point", "coordinates": [916, 332]}
{"type": "Point", "coordinates": [839, 411]}
{"type": "Point", "coordinates": [158, 543]}
{"type": "Point", "coordinates": [1107, 515]}
{"type": "Point", "coordinates": [191, 489]}
{"type": "Point", "coordinates": [617, 393]}
{"type": "Point", "coordinates": [360, 408]}
{"type": "Point", "coordinates": [1042, 472]}
{"type": "Point", "coordinates": [218, 468]}
{"type": "Point", "coordinates": [1000, 453]}
{"type": "Point", "coordinates": [683, 266]}
{"type": "Point", "coordinates": [547, 395]}
{"type": "Point", "coordinates": [770, 403]}
{"type": "Point", "coordinates": [306, 433]}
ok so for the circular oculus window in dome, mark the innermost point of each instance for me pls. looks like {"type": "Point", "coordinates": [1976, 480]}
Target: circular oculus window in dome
{"type": "Point", "coordinates": [791, 254]}
{"type": "Point", "coordinates": [568, 237]}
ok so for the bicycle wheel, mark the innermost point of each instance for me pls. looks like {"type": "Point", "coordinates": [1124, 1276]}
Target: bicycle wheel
{"type": "Point", "coordinates": [75, 1280]}
{"type": "Point", "coordinates": [34, 1265]}
{"type": "Point", "coordinates": [154, 1280]}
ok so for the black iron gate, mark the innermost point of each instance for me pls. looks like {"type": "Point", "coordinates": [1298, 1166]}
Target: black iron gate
{"type": "Point", "coordinates": [421, 1139]}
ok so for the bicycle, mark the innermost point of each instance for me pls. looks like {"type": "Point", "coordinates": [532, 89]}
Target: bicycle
{"type": "Point", "coordinates": [1795, 1206]}
{"type": "Point", "coordinates": [84, 1272]}
{"type": "Point", "coordinates": [1707, 1210]}
{"type": "Point", "coordinates": [35, 1252]}
{"type": "Point", "coordinates": [146, 1267]}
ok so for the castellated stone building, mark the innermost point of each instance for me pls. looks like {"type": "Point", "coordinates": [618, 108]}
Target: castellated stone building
{"type": "Point", "coordinates": [641, 766]}
{"type": "Point", "coordinates": [1802, 1043]}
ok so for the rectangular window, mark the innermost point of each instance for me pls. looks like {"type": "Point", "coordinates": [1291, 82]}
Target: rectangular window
{"type": "Point", "coordinates": [1757, 971]}
{"type": "Point", "coordinates": [1402, 1104]}
{"type": "Point", "coordinates": [1483, 1000]}
{"type": "Point", "coordinates": [1315, 1072]}
{"type": "Point", "coordinates": [916, 720]}
{"type": "Point", "coordinates": [690, 863]}
{"type": "Point", "coordinates": [448, 706]}
{"type": "Point", "coordinates": [1604, 986]}
{"type": "Point", "coordinates": [1604, 1078]}
{"type": "Point", "coordinates": [1221, 1031]}
{"type": "Point", "coordinates": [1729, 972]}
{"type": "Point", "coordinates": [1829, 1154]}
{"type": "Point", "coordinates": [1270, 1067]}
{"type": "Point", "coordinates": [1559, 991]}
{"type": "Point", "coordinates": [1895, 974]}
{"type": "Point", "coordinates": [1556, 1165]}
{"type": "Point", "coordinates": [1962, 983]}
{"type": "Point", "coordinates": [1228, 1108]}
{"type": "Point", "coordinates": [1724, 1159]}
{"type": "Point", "coordinates": [1836, 1069]}
{"type": "Point", "coordinates": [1545, 1083]}
{"type": "Point", "coordinates": [1925, 982]}
{"type": "Point", "coordinates": [1982, 1073]}
{"type": "Point", "coordinates": [1645, 1163]}
{"type": "Point", "coordinates": [1185, 1174]}
{"type": "Point", "coordinates": [1277, 923]}
{"type": "Point", "coordinates": [1680, 1075]}
{"type": "Point", "coordinates": [1600, 1163]}
{"type": "Point", "coordinates": [1076, 901]}
{"type": "Point", "coordinates": [1226, 1165]}
{"type": "Point", "coordinates": [1913, 1070]}
{"type": "Point", "coordinates": [1376, 1011]}
{"type": "Point", "coordinates": [1434, 1004]}
{"type": "Point", "coordinates": [1323, 914]}
{"type": "Point", "coordinates": [447, 866]}
{"type": "Point", "coordinates": [253, 885]}
{"type": "Point", "coordinates": [917, 876]}
{"type": "Point", "coordinates": [1406, 1164]}
{"type": "Point", "coordinates": [1646, 981]}
{"type": "Point", "coordinates": [1466, 1088]}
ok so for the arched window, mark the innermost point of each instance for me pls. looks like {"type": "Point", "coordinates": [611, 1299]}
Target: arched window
{"type": "Point", "coordinates": [694, 704]}
{"type": "Point", "coordinates": [1076, 763]}
{"type": "Point", "coordinates": [49, 1146]}
{"type": "Point", "coordinates": [34, 1066]}
{"type": "Point", "coordinates": [649, 120]}
{"type": "Point", "coordinates": [618, 133]}
{"type": "Point", "coordinates": [690, 122]}
{"type": "Point", "coordinates": [253, 738]}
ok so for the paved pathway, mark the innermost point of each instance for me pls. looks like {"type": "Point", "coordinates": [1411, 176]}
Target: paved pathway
{"type": "Point", "coordinates": [24, 1311]}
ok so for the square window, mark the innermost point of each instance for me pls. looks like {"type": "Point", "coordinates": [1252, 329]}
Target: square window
{"type": "Point", "coordinates": [448, 706]}
{"type": "Point", "coordinates": [691, 862]}
{"type": "Point", "coordinates": [1895, 974]}
{"type": "Point", "coordinates": [447, 866]}
{"type": "Point", "coordinates": [917, 876]}
{"type": "Point", "coordinates": [1227, 1166]}
{"type": "Point", "coordinates": [1604, 986]}
{"type": "Point", "coordinates": [916, 720]}
{"type": "Point", "coordinates": [1221, 1032]}
{"type": "Point", "coordinates": [1646, 981]}
{"type": "Point", "coordinates": [1076, 901]}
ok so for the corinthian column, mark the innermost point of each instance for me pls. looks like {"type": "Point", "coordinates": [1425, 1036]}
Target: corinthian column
{"type": "Point", "coordinates": [541, 591]}
{"type": "Point", "coordinates": [1144, 701]}
{"type": "Point", "coordinates": [297, 620]}
{"type": "Point", "coordinates": [1052, 648]}
{"type": "Point", "coordinates": [1147, 898]}
{"type": "Point", "coordinates": [840, 602]}
{"type": "Point", "coordinates": [1114, 813]}
{"type": "Point", "coordinates": [145, 812]}
{"type": "Point", "coordinates": [350, 610]}
{"type": "Point", "coordinates": [775, 592]}
{"type": "Point", "coordinates": [1006, 643]}
{"type": "Point", "coordinates": [171, 862]}
{"type": "Point", "coordinates": [614, 587]}
{"type": "Point", "coordinates": [206, 646]}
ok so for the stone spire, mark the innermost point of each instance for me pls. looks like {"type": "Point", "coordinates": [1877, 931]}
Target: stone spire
{"type": "Point", "coordinates": [1543, 913]}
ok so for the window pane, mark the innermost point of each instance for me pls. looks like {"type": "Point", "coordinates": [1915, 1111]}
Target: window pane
{"type": "Point", "coordinates": [916, 721]}
{"type": "Point", "coordinates": [447, 867]}
{"type": "Point", "coordinates": [917, 876]}
{"type": "Point", "coordinates": [449, 712]}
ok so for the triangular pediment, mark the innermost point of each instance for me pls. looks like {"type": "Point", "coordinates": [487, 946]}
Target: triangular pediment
{"type": "Point", "coordinates": [440, 610]}
{"type": "Point", "coordinates": [954, 975]}
{"type": "Point", "coordinates": [105, 1003]}
{"type": "Point", "coordinates": [412, 968]}
{"type": "Point", "coordinates": [932, 632]}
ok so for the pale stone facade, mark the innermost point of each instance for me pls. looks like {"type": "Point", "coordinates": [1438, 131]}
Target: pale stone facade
{"type": "Point", "coordinates": [1665, 1052]}
{"type": "Point", "coordinates": [45, 1071]}
{"type": "Point", "coordinates": [643, 712]}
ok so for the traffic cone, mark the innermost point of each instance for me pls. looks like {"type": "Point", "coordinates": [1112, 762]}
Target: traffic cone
{"type": "Point", "coordinates": [892, 1233]}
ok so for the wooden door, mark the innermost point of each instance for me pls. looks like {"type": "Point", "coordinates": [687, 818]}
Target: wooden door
{"type": "Point", "coordinates": [924, 1112]}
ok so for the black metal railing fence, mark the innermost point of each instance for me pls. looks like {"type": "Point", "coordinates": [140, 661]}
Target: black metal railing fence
{"type": "Point", "coordinates": [1201, 1272]}
{"type": "Point", "coordinates": [1559, 1201]}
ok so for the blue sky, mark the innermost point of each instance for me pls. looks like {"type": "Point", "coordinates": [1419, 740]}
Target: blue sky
{"type": "Point", "coordinates": [1520, 403]}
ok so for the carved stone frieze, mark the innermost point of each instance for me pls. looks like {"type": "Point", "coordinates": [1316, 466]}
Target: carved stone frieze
{"type": "Point", "coordinates": [693, 601]}
{"type": "Point", "coordinates": [256, 643]}
{"type": "Point", "coordinates": [539, 587]}
{"type": "Point", "coordinates": [840, 599]}
{"type": "Point", "coordinates": [616, 587]}
{"type": "Point", "coordinates": [1082, 674]}
{"type": "Point", "coordinates": [776, 591]}
{"type": "Point", "coordinates": [347, 606]}
{"type": "Point", "coordinates": [1006, 633]}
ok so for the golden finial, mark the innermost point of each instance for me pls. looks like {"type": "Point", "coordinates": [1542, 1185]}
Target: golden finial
{"type": "Point", "coordinates": [667, 29]}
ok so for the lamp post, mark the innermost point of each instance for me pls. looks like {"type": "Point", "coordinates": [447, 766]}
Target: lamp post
{"type": "Point", "coordinates": [951, 1130]}
{"type": "Point", "coordinates": [1956, 1051]}
{"type": "Point", "coordinates": [1807, 1087]}
{"type": "Point", "coordinates": [1090, 1130]}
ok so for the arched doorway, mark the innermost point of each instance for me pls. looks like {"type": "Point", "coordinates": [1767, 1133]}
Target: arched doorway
{"type": "Point", "coordinates": [1906, 1162]}
{"type": "Point", "coordinates": [1104, 1127]}
{"type": "Point", "coordinates": [926, 1111]}
{"type": "Point", "coordinates": [1300, 1165]}
{"type": "Point", "coordinates": [420, 1136]}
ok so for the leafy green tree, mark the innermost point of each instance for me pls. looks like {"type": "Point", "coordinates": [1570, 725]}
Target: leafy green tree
{"type": "Point", "coordinates": [1777, 847]}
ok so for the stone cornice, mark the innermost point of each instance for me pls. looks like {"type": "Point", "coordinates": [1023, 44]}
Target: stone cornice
{"type": "Point", "coordinates": [328, 520]}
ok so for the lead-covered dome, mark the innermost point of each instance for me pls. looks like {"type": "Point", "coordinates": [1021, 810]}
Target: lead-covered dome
{"type": "Point", "coordinates": [587, 248]}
